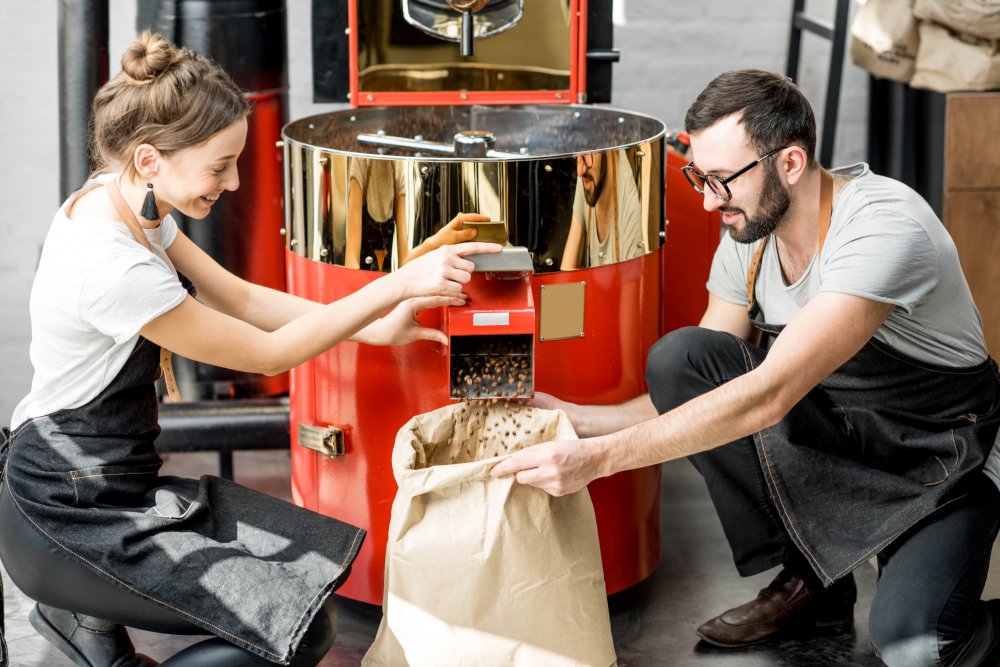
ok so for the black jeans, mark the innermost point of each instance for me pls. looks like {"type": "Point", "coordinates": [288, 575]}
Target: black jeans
{"type": "Point", "coordinates": [48, 575]}
{"type": "Point", "coordinates": [927, 608]}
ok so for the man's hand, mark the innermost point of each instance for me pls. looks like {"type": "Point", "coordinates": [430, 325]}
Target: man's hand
{"type": "Point", "coordinates": [559, 467]}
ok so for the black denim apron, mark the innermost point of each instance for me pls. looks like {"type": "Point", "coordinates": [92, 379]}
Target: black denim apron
{"type": "Point", "coordinates": [245, 566]}
{"type": "Point", "coordinates": [877, 446]}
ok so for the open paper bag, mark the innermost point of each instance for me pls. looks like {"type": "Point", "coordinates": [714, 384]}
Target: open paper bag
{"type": "Point", "coordinates": [483, 571]}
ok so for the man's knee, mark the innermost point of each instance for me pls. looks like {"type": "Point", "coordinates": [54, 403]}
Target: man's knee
{"type": "Point", "coordinates": [901, 638]}
{"type": "Point", "coordinates": [690, 361]}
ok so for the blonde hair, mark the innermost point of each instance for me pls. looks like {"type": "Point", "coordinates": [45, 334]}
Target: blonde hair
{"type": "Point", "coordinates": [169, 97]}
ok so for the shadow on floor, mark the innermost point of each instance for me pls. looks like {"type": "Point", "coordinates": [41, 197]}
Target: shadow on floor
{"type": "Point", "coordinates": [653, 622]}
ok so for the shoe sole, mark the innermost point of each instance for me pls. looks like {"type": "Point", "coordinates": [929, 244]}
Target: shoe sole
{"type": "Point", "coordinates": [792, 632]}
{"type": "Point", "coordinates": [54, 637]}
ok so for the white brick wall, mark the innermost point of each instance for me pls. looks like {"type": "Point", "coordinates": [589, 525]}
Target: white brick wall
{"type": "Point", "coordinates": [670, 49]}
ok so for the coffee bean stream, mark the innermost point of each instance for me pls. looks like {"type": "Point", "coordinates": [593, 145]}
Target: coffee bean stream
{"type": "Point", "coordinates": [492, 367]}
{"type": "Point", "coordinates": [484, 429]}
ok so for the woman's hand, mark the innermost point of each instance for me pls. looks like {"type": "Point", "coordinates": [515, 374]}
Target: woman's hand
{"type": "Point", "coordinates": [442, 272]}
{"type": "Point", "coordinates": [400, 327]}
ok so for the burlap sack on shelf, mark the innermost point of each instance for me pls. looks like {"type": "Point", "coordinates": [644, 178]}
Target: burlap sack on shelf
{"type": "Point", "coordinates": [483, 571]}
{"type": "Point", "coordinates": [948, 61]}
{"type": "Point", "coordinates": [980, 18]}
{"type": "Point", "coordinates": [884, 39]}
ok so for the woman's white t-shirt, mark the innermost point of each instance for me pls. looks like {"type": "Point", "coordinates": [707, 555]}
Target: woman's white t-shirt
{"type": "Point", "coordinates": [95, 288]}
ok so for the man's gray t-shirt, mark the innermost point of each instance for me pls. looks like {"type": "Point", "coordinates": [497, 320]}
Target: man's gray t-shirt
{"type": "Point", "coordinates": [885, 244]}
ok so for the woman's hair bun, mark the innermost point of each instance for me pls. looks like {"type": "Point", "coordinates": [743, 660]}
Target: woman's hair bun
{"type": "Point", "coordinates": [148, 57]}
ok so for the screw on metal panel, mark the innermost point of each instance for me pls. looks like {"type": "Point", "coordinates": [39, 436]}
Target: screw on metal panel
{"type": "Point", "coordinates": [293, 242]}
{"type": "Point", "coordinates": [548, 168]}
{"type": "Point", "coordinates": [323, 252]}
{"type": "Point", "coordinates": [312, 126]}
{"type": "Point", "coordinates": [324, 159]}
{"type": "Point", "coordinates": [548, 261]}
{"type": "Point", "coordinates": [463, 96]}
{"type": "Point", "coordinates": [370, 97]}
{"type": "Point", "coordinates": [279, 144]}
{"type": "Point", "coordinates": [640, 153]}
{"type": "Point", "coordinates": [558, 96]}
{"type": "Point", "coordinates": [282, 231]}
{"type": "Point", "coordinates": [424, 169]}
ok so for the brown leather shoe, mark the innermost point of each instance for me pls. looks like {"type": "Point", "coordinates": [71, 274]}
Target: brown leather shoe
{"type": "Point", "coordinates": [786, 607]}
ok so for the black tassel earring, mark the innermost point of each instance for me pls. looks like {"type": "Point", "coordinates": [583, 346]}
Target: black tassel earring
{"type": "Point", "coordinates": [149, 210]}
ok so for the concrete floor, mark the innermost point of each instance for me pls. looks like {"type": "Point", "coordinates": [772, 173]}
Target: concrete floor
{"type": "Point", "coordinates": [653, 623]}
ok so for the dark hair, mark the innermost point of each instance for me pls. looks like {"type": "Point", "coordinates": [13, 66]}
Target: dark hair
{"type": "Point", "coordinates": [169, 97]}
{"type": "Point", "coordinates": [775, 113]}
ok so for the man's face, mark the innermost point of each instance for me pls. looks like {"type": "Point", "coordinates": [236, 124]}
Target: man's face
{"type": "Point", "coordinates": [767, 214]}
{"type": "Point", "coordinates": [760, 200]}
{"type": "Point", "coordinates": [592, 169]}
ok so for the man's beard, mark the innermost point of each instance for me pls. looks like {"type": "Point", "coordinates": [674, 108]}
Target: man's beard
{"type": "Point", "coordinates": [772, 208]}
{"type": "Point", "coordinates": [593, 196]}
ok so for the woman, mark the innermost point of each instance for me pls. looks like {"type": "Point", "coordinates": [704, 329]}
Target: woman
{"type": "Point", "coordinates": [86, 522]}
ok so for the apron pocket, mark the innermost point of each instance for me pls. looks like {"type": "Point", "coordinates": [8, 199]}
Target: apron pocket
{"type": "Point", "coordinates": [113, 486]}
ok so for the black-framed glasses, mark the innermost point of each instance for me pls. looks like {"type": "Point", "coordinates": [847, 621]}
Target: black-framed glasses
{"type": "Point", "coordinates": [718, 185]}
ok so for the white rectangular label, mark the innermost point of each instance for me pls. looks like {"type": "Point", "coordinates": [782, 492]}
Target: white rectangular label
{"type": "Point", "coordinates": [490, 319]}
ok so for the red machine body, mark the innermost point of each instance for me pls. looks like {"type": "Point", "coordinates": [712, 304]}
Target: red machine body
{"type": "Point", "coordinates": [370, 392]}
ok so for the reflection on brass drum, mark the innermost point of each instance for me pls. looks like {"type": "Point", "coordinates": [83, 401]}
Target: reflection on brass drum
{"type": "Point", "coordinates": [370, 188]}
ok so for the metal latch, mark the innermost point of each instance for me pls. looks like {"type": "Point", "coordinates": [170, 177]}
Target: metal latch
{"type": "Point", "coordinates": [327, 440]}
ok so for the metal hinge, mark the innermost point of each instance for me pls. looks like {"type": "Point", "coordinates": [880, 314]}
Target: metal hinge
{"type": "Point", "coordinates": [327, 440]}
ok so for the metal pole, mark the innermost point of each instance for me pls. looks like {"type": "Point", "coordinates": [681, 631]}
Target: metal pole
{"type": "Point", "coordinates": [83, 68]}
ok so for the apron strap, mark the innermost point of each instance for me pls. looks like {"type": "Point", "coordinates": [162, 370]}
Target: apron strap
{"type": "Point", "coordinates": [825, 214]}
{"type": "Point", "coordinates": [128, 217]}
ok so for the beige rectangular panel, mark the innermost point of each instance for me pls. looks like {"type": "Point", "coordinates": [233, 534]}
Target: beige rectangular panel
{"type": "Point", "coordinates": [561, 311]}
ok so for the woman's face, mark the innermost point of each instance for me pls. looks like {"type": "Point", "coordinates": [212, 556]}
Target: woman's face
{"type": "Point", "coordinates": [191, 180]}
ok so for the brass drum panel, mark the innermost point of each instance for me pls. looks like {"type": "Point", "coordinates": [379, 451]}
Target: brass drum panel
{"type": "Point", "coordinates": [548, 178]}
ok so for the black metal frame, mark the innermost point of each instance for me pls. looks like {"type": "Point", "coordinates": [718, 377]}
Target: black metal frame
{"type": "Point", "coordinates": [837, 34]}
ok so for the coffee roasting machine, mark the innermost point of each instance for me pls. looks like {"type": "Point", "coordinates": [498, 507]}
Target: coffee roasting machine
{"type": "Point", "coordinates": [456, 106]}
{"type": "Point", "coordinates": [475, 106]}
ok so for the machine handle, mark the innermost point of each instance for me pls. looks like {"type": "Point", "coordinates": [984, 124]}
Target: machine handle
{"type": "Point", "coordinates": [327, 440]}
{"type": "Point", "coordinates": [381, 139]}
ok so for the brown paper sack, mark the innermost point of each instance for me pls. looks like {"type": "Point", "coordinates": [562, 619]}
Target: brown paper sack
{"type": "Point", "coordinates": [884, 39]}
{"type": "Point", "coordinates": [484, 571]}
{"type": "Point", "coordinates": [947, 61]}
{"type": "Point", "coordinates": [980, 18]}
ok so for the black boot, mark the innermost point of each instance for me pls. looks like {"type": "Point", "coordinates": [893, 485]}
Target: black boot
{"type": "Point", "coordinates": [87, 641]}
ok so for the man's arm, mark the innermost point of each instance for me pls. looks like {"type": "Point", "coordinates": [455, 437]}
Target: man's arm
{"type": "Point", "coordinates": [594, 420]}
{"type": "Point", "coordinates": [824, 335]}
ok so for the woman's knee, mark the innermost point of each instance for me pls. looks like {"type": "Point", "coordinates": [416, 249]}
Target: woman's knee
{"type": "Point", "coordinates": [690, 361]}
{"type": "Point", "coordinates": [318, 637]}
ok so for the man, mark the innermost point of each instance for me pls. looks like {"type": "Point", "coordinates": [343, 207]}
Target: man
{"type": "Point", "coordinates": [858, 428]}
{"type": "Point", "coordinates": [606, 225]}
